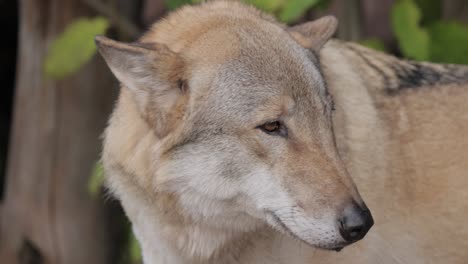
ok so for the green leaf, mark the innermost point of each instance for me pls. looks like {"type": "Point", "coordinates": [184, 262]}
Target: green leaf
{"type": "Point", "coordinates": [266, 5]}
{"type": "Point", "coordinates": [374, 43]}
{"type": "Point", "coordinates": [96, 181]}
{"type": "Point", "coordinates": [412, 38]}
{"type": "Point", "coordinates": [294, 9]}
{"type": "Point", "coordinates": [74, 47]}
{"type": "Point", "coordinates": [449, 42]}
{"type": "Point", "coordinates": [174, 4]}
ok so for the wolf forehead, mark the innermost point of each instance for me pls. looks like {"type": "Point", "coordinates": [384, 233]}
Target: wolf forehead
{"type": "Point", "coordinates": [251, 90]}
{"type": "Point", "coordinates": [241, 50]}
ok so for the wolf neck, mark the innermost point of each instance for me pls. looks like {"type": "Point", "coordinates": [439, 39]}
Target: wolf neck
{"type": "Point", "coordinates": [193, 244]}
{"type": "Point", "coordinates": [172, 238]}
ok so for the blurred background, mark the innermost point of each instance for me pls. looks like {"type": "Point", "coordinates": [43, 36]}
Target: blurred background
{"type": "Point", "coordinates": [57, 95]}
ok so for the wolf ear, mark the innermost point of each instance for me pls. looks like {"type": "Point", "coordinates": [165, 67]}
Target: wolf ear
{"type": "Point", "coordinates": [153, 74]}
{"type": "Point", "coordinates": [314, 34]}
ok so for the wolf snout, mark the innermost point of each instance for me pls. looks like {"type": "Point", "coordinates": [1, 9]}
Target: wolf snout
{"type": "Point", "coordinates": [354, 222]}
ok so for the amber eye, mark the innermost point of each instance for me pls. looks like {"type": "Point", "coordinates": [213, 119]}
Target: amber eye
{"type": "Point", "coordinates": [274, 128]}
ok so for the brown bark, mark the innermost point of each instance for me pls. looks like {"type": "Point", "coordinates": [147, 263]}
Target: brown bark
{"type": "Point", "coordinates": [376, 16]}
{"type": "Point", "coordinates": [349, 14]}
{"type": "Point", "coordinates": [152, 11]}
{"type": "Point", "coordinates": [455, 10]}
{"type": "Point", "coordinates": [47, 215]}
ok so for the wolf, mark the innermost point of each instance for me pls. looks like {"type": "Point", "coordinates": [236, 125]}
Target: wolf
{"type": "Point", "coordinates": [236, 139]}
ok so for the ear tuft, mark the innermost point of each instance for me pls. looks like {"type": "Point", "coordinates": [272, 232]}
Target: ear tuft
{"type": "Point", "coordinates": [314, 34]}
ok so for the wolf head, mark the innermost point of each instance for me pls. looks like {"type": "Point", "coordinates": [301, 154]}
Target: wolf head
{"type": "Point", "coordinates": [228, 112]}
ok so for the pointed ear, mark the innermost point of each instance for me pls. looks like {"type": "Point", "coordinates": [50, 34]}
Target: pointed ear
{"type": "Point", "coordinates": [140, 66]}
{"type": "Point", "coordinates": [153, 74]}
{"type": "Point", "coordinates": [314, 34]}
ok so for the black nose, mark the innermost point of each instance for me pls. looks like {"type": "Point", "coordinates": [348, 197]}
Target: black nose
{"type": "Point", "coordinates": [355, 222]}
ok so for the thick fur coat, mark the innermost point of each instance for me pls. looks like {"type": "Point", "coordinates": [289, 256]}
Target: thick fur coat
{"type": "Point", "coordinates": [224, 147]}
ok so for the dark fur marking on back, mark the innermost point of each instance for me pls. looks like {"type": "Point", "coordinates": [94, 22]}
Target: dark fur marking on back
{"type": "Point", "coordinates": [400, 75]}
{"type": "Point", "coordinates": [412, 75]}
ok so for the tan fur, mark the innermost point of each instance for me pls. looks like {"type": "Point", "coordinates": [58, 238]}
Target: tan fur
{"type": "Point", "coordinates": [408, 155]}
{"type": "Point", "coordinates": [189, 164]}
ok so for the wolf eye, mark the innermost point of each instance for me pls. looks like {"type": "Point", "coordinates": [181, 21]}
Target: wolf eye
{"type": "Point", "coordinates": [271, 126]}
{"type": "Point", "coordinates": [274, 128]}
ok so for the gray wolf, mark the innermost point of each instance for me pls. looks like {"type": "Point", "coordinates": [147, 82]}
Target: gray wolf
{"type": "Point", "coordinates": [224, 146]}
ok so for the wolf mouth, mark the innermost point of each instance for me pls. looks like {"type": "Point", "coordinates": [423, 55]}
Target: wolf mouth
{"type": "Point", "coordinates": [285, 228]}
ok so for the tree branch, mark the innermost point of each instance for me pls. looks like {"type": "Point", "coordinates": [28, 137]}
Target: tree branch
{"type": "Point", "coordinates": [126, 26]}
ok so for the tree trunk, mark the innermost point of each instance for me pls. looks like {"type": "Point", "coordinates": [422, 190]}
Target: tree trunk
{"type": "Point", "coordinates": [152, 11]}
{"type": "Point", "coordinates": [455, 10]}
{"type": "Point", "coordinates": [47, 215]}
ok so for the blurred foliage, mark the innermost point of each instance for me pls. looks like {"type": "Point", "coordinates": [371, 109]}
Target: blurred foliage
{"type": "Point", "coordinates": [173, 4]}
{"type": "Point", "coordinates": [74, 47]}
{"type": "Point", "coordinates": [374, 43]}
{"type": "Point", "coordinates": [431, 10]}
{"type": "Point", "coordinates": [435, 40]}
{"type": "Point", "coordinates": [412, 38]}
{"type": "Point", "coordinates": [135, 251]}
{"type": "Point", "coordinates": [449, 42]}
{"type": "Point", "coordinates": [294, 9]}
{"type": "Point", "coordinates": [288, 11]}
{"type": "Point", "coordinates": [269, 6]}
{"type": "Point", "coordinates": [96, 180]}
